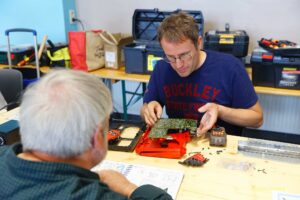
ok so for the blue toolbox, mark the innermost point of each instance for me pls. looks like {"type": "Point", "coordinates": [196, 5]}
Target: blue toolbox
{"type": "Point", "coordinates": [29, 74]}
{"type": "Point", "coordinates": [275, 70]}
{"type": "Point", "coordinates": [284, 48]}
{"type": "Point", "coordinates": [232, 42]}
{"type": "Point", "coordinates": [142, 55]}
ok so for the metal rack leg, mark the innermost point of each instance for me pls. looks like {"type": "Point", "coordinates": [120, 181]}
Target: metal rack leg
{"type": "Point", "coordinates": [125, 116]}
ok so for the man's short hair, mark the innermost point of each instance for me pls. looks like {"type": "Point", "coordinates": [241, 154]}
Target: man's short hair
{"type": "Point", "coordinates": [178, 27]}
{"type": "Point", "coordinates": [60, 113]}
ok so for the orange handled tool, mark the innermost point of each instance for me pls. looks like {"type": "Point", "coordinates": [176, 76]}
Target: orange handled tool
{"type": "Point", "coordinates": [27, 59]}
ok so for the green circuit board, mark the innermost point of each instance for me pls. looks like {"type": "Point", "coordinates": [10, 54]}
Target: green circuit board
{"type": "Point", "coordinates": [163, 126]}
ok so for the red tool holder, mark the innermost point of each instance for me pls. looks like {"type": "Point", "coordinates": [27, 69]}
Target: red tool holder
{"type": "Point", "coordinates": [174, 146]}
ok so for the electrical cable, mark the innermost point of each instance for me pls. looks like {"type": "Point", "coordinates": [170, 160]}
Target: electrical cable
{"type": "Point", "coordinates": [80, 22]}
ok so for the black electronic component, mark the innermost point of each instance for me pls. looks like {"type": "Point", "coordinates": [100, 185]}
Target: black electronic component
{"type": "Point", "coordinates": [218, 137]}
{"type": "Point", "coordinates": [9, 132]}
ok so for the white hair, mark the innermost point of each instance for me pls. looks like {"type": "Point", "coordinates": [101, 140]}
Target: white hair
{"type": "Point", "coordinates": [60, 113]}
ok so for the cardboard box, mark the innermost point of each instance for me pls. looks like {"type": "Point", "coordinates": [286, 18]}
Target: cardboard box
{"type": "Point", "coordinates": [114, 56]}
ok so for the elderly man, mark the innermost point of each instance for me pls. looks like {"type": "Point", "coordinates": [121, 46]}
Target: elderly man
{"type": "Point", "coordinates": [63, 121]}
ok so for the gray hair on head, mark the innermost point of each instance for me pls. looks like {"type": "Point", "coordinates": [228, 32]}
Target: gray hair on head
{"type": "Point", "coordinates": [60, 113]}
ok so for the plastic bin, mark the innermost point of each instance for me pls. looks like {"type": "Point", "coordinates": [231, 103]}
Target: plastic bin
{"type": "Point", "coordinates": [232, 42]}
{"type": "Point", "coordinates": [275, 71]}
{"type": "Point", "coordinates": [142, 55]}
{"type": "Point", "coordinates": [18, 53]}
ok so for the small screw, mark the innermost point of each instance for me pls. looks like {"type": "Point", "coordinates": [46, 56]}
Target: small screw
{"type": "Point", "coordinates": [219, 151]}
{"type": "Point", "coordinates": [262, 170]}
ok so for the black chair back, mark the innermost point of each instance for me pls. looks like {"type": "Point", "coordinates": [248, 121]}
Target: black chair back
{"type": "Point", "coordinates": [11, 86]}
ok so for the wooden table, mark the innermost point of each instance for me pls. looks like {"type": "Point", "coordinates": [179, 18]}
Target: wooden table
{"type": "Point", "coordinates": [274, 91]}
{"type": "Point", "coordinates": [228, 175]}
{"type": "Point", "coordinates": [119, 74]}
{"type": "Point", "coordinates": [113, 75]}
{"type": "Point", "coordinates": [6, 116]}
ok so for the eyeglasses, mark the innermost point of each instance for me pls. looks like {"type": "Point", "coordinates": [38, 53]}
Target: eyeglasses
{"type": "Point", "coordinates": [183, 57]}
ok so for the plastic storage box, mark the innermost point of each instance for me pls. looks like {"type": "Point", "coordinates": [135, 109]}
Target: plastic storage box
{"type": "Point", "coordinates": [142, 55]}
{"type": "Point", "coordinates": [280, 47]}
{"type": "Point", "coordinates": [275, 71]}
{"type": "Point", "coordinates": [233, 42]}
{"type": "Point", "coordinates": [18, 53]}
{"type": "Point", "coordinates": [9, 132]}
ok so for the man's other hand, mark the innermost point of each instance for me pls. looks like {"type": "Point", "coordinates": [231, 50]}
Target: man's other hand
{"type": "Point", "coordinates": [151, 112]}
{"type": "Point", "coordinates": [209, 118]}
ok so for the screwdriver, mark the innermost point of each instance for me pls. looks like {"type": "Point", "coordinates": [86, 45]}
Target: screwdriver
{"type": "Point", "coordinates": [27, 59]}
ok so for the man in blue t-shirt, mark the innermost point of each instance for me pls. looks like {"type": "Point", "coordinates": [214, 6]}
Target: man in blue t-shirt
{"type": "Point", "coordinates": [197, 84]}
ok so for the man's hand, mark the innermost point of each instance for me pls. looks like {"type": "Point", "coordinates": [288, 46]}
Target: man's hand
{"type": "Point", "coordinates": [209, 118]}
{"type": "Point", "coordinates": [151, 112]}
{"type": "Point", "coordinates": [117, 182]}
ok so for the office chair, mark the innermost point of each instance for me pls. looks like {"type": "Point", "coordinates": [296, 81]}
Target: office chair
{"type": "Point", "coordinates": [11, 86]}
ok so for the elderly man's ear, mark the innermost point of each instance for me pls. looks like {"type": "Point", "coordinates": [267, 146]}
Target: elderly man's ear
{"type": "Point", "coordinates": [99, 145]}
{"type": "Point", "coordinates": [99, 137]}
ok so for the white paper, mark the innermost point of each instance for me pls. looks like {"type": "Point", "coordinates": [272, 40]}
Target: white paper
{"type": "Point", "coordinates": [165, 179]}
{"type": "Point", "coordinates": [3, 103]}
{"type": "Point", "coordinates": [110, 56]}
{"type": "Point", "coordinates": [277, 195]}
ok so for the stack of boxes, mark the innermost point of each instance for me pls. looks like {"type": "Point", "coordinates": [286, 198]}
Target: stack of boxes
{"type": "Point", "coordinates": [272, 66]}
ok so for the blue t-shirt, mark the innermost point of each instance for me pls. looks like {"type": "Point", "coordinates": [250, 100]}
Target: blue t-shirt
{"type": "Point", "coordinates": [221, 79]}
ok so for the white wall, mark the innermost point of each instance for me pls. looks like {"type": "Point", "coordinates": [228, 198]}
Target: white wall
{"type": "Point", "coordinates": [46, 17]}
{"type": "Point", "coordinates": [260, 18]}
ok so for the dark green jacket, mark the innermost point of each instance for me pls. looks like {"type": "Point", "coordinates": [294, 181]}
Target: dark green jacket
{"type": "Point", "coordinates": [23, 179]}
